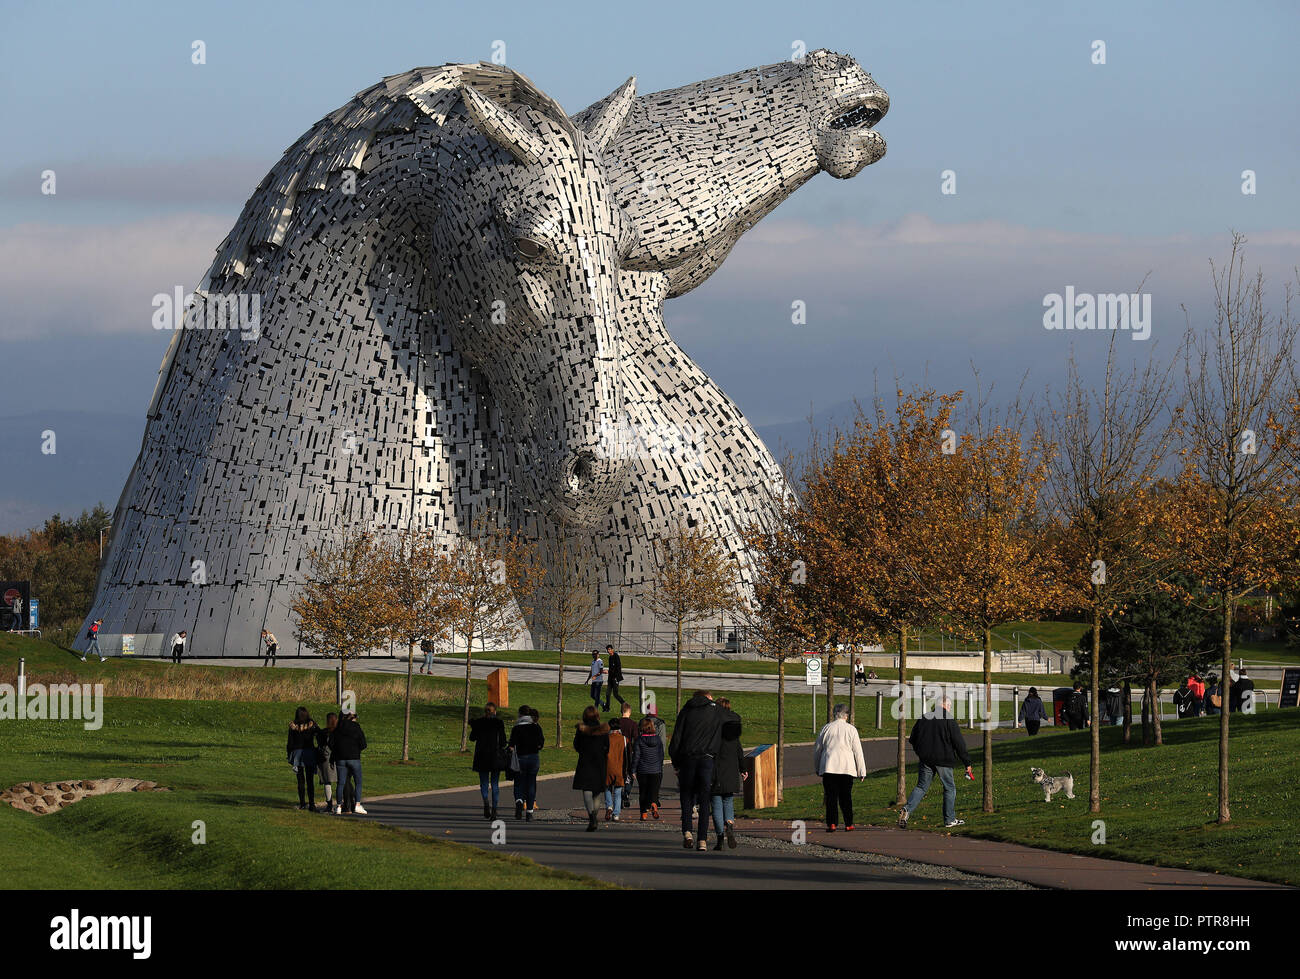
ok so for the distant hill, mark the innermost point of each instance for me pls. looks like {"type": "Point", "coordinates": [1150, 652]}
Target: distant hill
{"type": "Point", "coordinates": [93, 455]}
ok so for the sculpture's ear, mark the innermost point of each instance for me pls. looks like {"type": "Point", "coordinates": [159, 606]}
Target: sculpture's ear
{"type": "Point", "coordinates": [502, 128]}
{"type": "Point", "coordinates": [604, 125]}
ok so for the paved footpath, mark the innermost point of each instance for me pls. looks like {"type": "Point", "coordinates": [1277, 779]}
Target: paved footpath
{"type": "Point", "coordinates": [650, 855]}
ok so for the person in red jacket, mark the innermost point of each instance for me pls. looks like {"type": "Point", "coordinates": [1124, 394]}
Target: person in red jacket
{"type": "Point", "coordinates": [1197, 686]}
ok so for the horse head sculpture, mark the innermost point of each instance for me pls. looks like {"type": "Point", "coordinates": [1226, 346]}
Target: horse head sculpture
{"type": "Point", "coordinates": [461, 299]}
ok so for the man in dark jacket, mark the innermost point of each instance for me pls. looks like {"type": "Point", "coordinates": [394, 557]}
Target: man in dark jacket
{"type": "Point", "coordinates": [1076, 708]}
{"type": "Point", "coordinates": [349, 742]}
{"type": "Point", "coordinates": [697, 736]}
{"type": "Point", "coordinates": [614, 664]}
{"type": "Point", "coordinates": [938, 743]}
{"type": "Point", "coordinates": [1238, 685]}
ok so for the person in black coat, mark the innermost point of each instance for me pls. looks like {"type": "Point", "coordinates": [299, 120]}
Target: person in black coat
{"type": "Point", "coordinates": [728, 776]}
{"type": "Point", "coordinates": [301, 748]}
{"type": "Point", "coordinates": [697, 737]}
{"type": "Point", "coordinates": [349, 742]}
{"type": "Point", "coordinates": [1237, 687]}
{"type": "Point", "coordinates": [938, 743]}
{"type": "Point", "coordinates": [527, 739]}
{"type": "Point", "coordinates": [591, 742]}
{"type": "Point", "coordinates": [489, 736]}
{"type": "Point", "coordinates": [325, 757]}
{"type": "Point", "coordinates": [1076, 708]}
{"type": "Point", "coordinates": [614, 665]}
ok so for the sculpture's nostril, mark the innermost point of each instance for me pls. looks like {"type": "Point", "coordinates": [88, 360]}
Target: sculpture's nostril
{"type": "Point", "coordinates": [579, 471]}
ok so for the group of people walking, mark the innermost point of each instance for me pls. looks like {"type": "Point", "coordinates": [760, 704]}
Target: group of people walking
{"type": "Point", "coordinates": [519, 754]}
{"type": "Point", "coordinates": [616, 754]}
{"type": "Point", "coordinates": [330, 755]}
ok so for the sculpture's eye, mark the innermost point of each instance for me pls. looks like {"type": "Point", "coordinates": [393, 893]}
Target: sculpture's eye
{"type": "Point", "coordinates": [528, 247]}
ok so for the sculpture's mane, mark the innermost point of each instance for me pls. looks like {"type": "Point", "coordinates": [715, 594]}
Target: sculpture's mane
{"type": "Point", "coordinates": [339, 142]}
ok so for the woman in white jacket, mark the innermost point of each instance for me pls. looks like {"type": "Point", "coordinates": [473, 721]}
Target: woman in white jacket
{"type": "Point", "coordinates": [838, 759]}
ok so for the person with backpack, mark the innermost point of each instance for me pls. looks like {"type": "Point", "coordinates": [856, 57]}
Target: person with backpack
{"type": "Point", "coordinates": [301, 749]}
{"type": "Point", "coordinates": [728, 777]}
{"type": "Point", "coordinates": [614, 669]}
{"type": "Point", "coordinates": [93, 646]}
{"type": "Point", "coordinates": [590, 774]}
{"type": "Point", "coordinates": [697, 736]}
{"type": "Point", "coordinates": [489, 736]}
{"type": "Point", "coordinates": [1076, 708]}
{"type": "Point", "coordinates": [1183, 701]}
{"type": "Point", "coordinates": [648, 766]}
{"type": "Point", "coordinates": [938, 743]}
{"type": "Point", "coordinates": [527, 740]}
{"type": "Point", "coordinates": [349, 742]}
{"type": "Point", "coordinates": [325, 768]}
{"type": "Point", "coordinates": [1032, 712]}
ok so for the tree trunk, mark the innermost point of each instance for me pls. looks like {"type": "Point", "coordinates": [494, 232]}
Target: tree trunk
{"type": "Point", "coordinates": [343, 679]}
{"type": "Point", "coordinates": [1128, 712]}
{"type": "Point", "coordinates": [853, 694]}
{"type": "Point", "coordinates": [1225, 685]}
{"type": "Point", "coordinates": [988, 716]}
{"type": "Point", "coordinates": [1146, 713]}
{"type": "Point", "coordinates": [406, 722]}
{"type": "Point", "coordinates": [1156, 728]}
{"type": "Point", "coordinates": [780, 729]}
{"type": "Point", "coordinates": [1094, 711]}
{"type": "Point", "coordinates": [830, 684]}
{"type": "Point", "coordinates": [902, 720]}
{"type": "Point", "coordinates": [559, 697]}
{"type": "Point", "coordinates": [469, 656]}
{"type": "Point", "coordinates": [679, 666]}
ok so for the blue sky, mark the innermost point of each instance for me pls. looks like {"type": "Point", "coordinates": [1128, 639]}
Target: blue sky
{"type": "Point", "coordinates": [1068, 173]}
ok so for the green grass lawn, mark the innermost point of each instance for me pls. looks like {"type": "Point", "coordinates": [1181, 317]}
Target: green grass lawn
{"type": "Point", "coordinates": [1159, 804]}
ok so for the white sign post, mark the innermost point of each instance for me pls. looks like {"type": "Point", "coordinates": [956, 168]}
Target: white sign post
{"type": "Point", "coordinates": [813, 677]}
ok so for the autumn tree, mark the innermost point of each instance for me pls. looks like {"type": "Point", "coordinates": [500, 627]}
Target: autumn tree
{"type": "Point", "coordinates": [694, 579]}
{"type": "Point", "coordinates": [988, 519]}
{"type": "Point", "coordinates": [1157, 640]}
{"type": "Point", "coordinates": [775, 617]}
{"type": "Point", "coordinates": [875, 563]}
{"type": "Point", "coordinates": [564, 603]}
{"type": "Point", "coordinates": [1109, 443]}
{"type": "Point", "coordinates": [492, 574]}
{"type": "Point", "coordinates": [416, 572]}
{"type": "Point", "coordinates": [1232, 520]}
{"type": "Point", "coordinates": [342, 607]}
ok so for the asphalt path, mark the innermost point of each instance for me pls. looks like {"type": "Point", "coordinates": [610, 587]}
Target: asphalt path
{"type": "Point", "coordinates": [639, 854]}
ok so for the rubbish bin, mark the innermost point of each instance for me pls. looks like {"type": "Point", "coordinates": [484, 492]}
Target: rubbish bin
{"type": "Point", "coordinates": [760, 787]}
{"type": "Point", "coordinates": [498, 682]}
{"type": "Point", "coordinates": [1059, 697]}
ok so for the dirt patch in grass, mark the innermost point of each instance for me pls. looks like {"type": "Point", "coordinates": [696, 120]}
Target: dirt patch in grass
{"type": "Point", "coordinates": [43, 798]}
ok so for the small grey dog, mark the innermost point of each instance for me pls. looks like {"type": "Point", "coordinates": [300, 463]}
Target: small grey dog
{"type": "Point", "coordinates": [1053, 783]}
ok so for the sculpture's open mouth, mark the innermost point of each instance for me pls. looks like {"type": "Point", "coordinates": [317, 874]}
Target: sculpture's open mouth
{"type": "Point", "coordinates": [845, 139]}
{"type": "Point", "coordinates": [863, 114]}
